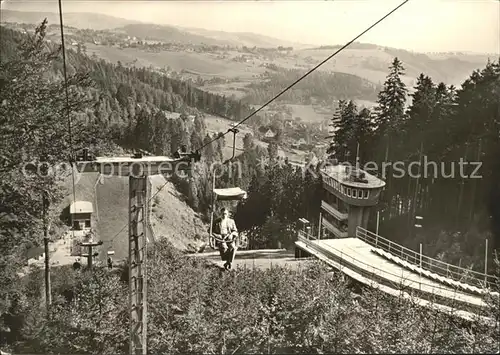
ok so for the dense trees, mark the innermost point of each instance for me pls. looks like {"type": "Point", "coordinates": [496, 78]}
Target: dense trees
{"type": "Point", "coordinates": [34, 145]}
{"type": "Point", "coordinates": [195, 309]}
{"type": "Point", "coordinates": [352, 128]}
{"type": "Point", "coordinates": [441, 126]}
{"type": "Point", "coordinates": [324, 87]}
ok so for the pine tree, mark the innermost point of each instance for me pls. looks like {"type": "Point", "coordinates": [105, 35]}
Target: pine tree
{"type": "Point", "coordinates": [390, 109]}
{"type": "Point", "coordinates": [334, 127]}
{"type": "Point", "coordinates": [420, 113]}
{"type": "Point", "coordinates": [272, 151]}
{"type": "Point", "coordinates": [390, 115]}
{"type": "Point", "coordinates": [248, 143]}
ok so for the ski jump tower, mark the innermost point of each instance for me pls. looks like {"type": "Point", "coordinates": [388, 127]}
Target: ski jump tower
{"type": "Point", "coordinates": [349, 193]}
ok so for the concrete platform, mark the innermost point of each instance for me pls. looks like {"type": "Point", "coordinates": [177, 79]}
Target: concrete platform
{"type": "Point", "coordinates": [262, 259]}
{"type": "Point", "coordinates": [356, 255]}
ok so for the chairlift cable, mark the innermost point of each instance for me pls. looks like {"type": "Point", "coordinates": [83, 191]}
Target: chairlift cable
{"type": "Point", "coordinates": [70, 133]}
{"type": "Point", "coordinates": [126, 225]}
{"type": "Point", "coordinates": [233, 128]}
{"type": "Point", "coordinates": [307, 74]}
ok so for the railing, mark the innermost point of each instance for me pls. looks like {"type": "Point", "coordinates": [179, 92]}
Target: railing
{"type": "Point", "coordinates": [333, 211]}
{"type": "Point", "coordinates": [439, 267]}
{"type": "Point", "coordinates": [307, 236]}
{"type": "Point", "coordinates": [333, 229]}
{"type": "Point", "coordinates": [377, 274]}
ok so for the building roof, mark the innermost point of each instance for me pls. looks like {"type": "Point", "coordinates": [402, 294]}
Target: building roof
{"type": "Point", "coordinates": [172, 115]}
{"type": "Point", "coordinates": [339, 173]}
{"type": "Point", "coordinates": [34, 252]}
{"type": "Point", "coordinates": [81, 207]}
{"type": "Point", "coordinates": [230, 193]}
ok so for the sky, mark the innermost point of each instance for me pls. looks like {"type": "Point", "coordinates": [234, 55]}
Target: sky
{"type": "Point", "coordinates": [419, 25]}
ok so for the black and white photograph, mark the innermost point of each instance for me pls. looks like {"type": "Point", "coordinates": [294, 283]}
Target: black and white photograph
{"type": "Point", "coordinates": [249, 177]}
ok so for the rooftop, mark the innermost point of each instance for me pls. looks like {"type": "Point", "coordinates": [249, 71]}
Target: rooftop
{"type": "Point", "coordinates": [81, 207]}
{"type": "Point", "coordinates": [128, 159]}
{"type": "Point", "coordinates": [231, 193]}
{"type": "Point", "coordinates": [339, 173]}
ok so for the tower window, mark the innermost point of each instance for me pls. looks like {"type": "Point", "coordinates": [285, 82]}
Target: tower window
{"type": "Point", "coordinates": [366, 194]}
{"type": "Point", "coordinates": [349, 191]}
{"type": "Point", "coordinates": [354, 193]}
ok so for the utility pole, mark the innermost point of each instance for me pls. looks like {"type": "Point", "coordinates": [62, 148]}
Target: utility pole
{"type": "Point", "coordinates": [460, 196]}
{"type": "Point", "coordinates": [472, 203]}
{"type": "Point", "coordinates": [48, 293]}
{"type": "Point", "coordinates": [417, 185]}
{"type": "Point", "coordinates": [138, 230]}
{"type": "Point", "coordinates": [90, 256]}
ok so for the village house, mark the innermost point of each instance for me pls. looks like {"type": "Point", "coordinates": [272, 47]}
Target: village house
{"type": "Point", "coordinates": [269, 134]}
{"type": "Point", "coordinates": [34, 254]}
{"type": "Point", "coordinates": [81, 215]}
{"type": "Point", "coordinates": [300, 142]}
{"type": "Point", "coordinates": [171, 115]}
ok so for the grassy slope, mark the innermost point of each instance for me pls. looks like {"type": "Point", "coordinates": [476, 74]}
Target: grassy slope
{"type": "Point", "coordinates": [365, 60]}
{"type": "Point", "coordinates": [370, 64]}
{"type": "Point", "coordinates": [204, 64]}
{"type": "Point", "coordinates": [217, 124]}
{"type": "Point", "coordinates": [173, 219]}
{"type": "Point", "coordinates": [110, 201]}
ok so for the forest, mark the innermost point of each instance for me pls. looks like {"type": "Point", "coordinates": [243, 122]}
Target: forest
{"type": "Point", "coordinates": [323, 86]}
{"type": "Point", "coordinates": [443, 125]}
{"type": "Point", "coordinates": [193, 308]}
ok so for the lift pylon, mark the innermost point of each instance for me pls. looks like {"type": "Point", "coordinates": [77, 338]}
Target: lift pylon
{"type": "Point", "coordinates": [138, 169]}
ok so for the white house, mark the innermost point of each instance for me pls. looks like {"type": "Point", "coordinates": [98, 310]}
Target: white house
{"type": "Point", "coordinates": [81, 214]}
{"type": "Point", "coordinates": [171, 115]}
{"type": "Point", "coordinates": [269, 134]}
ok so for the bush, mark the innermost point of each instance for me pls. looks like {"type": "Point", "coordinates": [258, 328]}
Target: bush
{"type": "Point", "coordinates": [196, 308]}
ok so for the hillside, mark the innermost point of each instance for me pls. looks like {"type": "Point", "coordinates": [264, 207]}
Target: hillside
{"type": "Point", "coordinates": [109, 198]}
{"type": "Point", "coordinates": [369, 61]}
{"type": "Point", "coordinates": [77, 20]}
{"type": "Point", "coordinates": [247, 39]}
{"type": "Point", "coordinates": [169, 34]}
{"type": "Point", "coordinates": [173, 219]}
{"type": "Point", "coordinates": [154, 32]}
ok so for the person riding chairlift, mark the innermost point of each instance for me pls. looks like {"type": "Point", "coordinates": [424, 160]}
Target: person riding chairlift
{"type": "Point", "coordinates": [224, 228]}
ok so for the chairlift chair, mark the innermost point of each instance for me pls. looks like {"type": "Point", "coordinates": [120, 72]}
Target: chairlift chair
{"type": "Point", "coordinates": [227, 194]}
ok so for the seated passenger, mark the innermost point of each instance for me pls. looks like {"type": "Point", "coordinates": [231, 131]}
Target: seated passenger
{"type": "Point", "coordinates": [224, 228]}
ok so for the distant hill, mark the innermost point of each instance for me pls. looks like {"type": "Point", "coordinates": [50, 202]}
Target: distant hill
{"type": "Point", "coordinates": [368, 61]}
{"type": "Point", "coordinates": [72, 19]}
{"type": "Point", "coordinates": [371, 62]}
{"type": "Point", "coordinates": [152, 31]}
{"type": "Point", "coordinates": [246, 38]}
{"type": "Point", "coordinates": [169, 34]}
